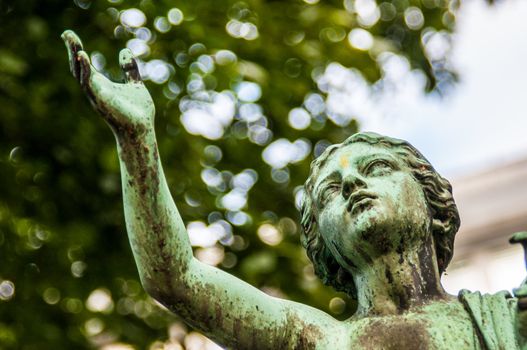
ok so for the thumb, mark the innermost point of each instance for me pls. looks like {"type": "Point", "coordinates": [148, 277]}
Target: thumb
{"type": "Point", "coordinates": [129, 66]}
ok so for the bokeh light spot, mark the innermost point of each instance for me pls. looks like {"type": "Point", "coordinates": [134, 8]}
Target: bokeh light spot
{"type": "Point", "coordinates": [360, 39]}
{"type": "Point", "coordinates": [175, 16]}
{"type": "Point", "coordinates": [134, 18]}
{"type": "Point", "coordinates": [211, 256]}
{"type": "Point", "coordinates": [162, 24]}
{"type": "Point", "coordinates": [204, 236]}
{"type": "Point", "coordinates": [244, 30]}
{"type": "Point", "coordinates": [7, 290]}
{"type": "Point", "coordinates": [78, 268]}
{"type": "Point", "coordinates": [138, 47]}
{"type": "Point", "coordinates": [269, 234]}
{"type": "Point", "coordinates": [337, 305]}
{"type": "Point", "coordinates": [234, 200]}
{"type": "Point", "coordinates": [225, 57]}
{"type": "Point", "coordinates": [413, 17]}
{"type": "Point", "coordinates": [299, 118]}
{"type": "Point", "coordinates": [282, 152]}
{"type": "Point", "coordinates": [93, 326]}
{"type": "Point", "coordinates": [51, 295]}
{"type": "Point", "coordinates": [98, 60]}
{"type": "Point", "coordinates": [367, 11]}
{"type": "Point", "coordinates": [248, 91]}
{"type": "Point", "coordinates": [100, 300]}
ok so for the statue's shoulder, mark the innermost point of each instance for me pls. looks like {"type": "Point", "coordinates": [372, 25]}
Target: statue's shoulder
{"type": "Point", "coordinates": [477, 304]}
{"type": "Point", "coordinates": [493, 316]}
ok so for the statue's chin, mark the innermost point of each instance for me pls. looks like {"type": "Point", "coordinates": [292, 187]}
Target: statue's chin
{"type": "Point", "coordinates": [377, 230]}
{"type": "Point", "coordinates": [368, 219]}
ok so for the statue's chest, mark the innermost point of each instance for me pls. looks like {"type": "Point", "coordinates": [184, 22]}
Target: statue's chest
{"type": "Point", "coordinates": [416, 332]}
{"type": "Point", "coordinates": [393, 334]}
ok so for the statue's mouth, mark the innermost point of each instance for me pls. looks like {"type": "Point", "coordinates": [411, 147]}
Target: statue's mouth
{"type": "Point", "coordinates": [359, 201]}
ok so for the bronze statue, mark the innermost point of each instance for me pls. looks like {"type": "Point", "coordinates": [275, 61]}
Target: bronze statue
{"type": "Point", "coordinates": [379, 224]}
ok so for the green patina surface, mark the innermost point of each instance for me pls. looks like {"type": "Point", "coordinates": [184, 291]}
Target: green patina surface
{"type": "Point", "coordinates": [379, 223]}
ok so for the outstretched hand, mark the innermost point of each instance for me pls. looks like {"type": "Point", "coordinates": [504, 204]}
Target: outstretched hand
{"type": "Point", "coordinates": [125, 106]}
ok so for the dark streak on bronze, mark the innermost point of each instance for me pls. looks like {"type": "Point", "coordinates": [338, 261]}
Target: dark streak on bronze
{"type": "Point", "coordinates": [382, 334]}
{"type": "Point", "coordinates": [132, 71]}
{"type": "Point", "coordinates": [428, 271]}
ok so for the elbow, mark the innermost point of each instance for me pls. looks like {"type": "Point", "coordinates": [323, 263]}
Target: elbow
{"type": "Point", "coordinates": [159, 289]}
{"type": "Point", "coordinates": [176, 298]}
{"type": "Point", "coordinates": [168, 291]}
{"type": "Point", "coordinates": [169, 285]}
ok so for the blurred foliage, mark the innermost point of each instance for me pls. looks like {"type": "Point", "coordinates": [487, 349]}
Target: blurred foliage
{"type": "Point", "coordinates": [67, 276]}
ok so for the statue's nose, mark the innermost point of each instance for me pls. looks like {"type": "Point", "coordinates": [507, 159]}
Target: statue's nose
{"type": "Point", "coordinates": [350, 184]}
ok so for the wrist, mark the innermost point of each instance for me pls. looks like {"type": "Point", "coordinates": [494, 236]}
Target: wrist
{"type": "Point", "coordinates": [138, 156]}
{"type": "Point", "coordinates": [134, 134]}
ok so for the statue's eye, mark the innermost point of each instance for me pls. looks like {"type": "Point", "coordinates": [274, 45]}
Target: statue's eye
{"type": "Point", "coordinates": [330, 191]}
{"type": "Point", "coordinates": [379, 167]}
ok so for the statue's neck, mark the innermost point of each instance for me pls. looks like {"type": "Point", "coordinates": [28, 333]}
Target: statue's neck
{"type": "Point", "coordinates": [398, 281]}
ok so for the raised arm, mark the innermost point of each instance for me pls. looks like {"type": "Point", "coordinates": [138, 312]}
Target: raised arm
{"type": "Point", "coordinates": [225, 308]}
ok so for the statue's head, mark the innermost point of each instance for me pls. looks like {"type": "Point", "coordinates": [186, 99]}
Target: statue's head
{"type": "Point", "coordinates": [371, 195]}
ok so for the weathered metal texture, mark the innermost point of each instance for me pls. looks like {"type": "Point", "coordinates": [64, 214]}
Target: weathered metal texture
{"type": "Point", "coordinates": [379, 224]}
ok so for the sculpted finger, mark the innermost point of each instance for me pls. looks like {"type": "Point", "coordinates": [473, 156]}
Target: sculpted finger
{"type": "Point", "coordinates": [85, 76]}
{"type": "Point", "coordinates": [73, 45]}
{"type": "Point", "coordinates": [129, 66]}
{"type": "Point", "coordinates": [85, 70]}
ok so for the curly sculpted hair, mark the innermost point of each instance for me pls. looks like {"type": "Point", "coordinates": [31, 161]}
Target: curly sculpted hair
{"type": "Point", "coordinates": [437, 191]}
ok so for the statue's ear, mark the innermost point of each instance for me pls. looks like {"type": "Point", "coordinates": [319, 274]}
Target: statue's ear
{"type": "Point", "coordinates": [438, 224]}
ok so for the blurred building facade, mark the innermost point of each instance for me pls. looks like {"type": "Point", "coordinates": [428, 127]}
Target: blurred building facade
{"type": "Point", "coordinates": [493, 206]}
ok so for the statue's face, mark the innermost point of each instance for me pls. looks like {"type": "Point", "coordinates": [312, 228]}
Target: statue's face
{"type": "Point", "coordinates": [369, 203]}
